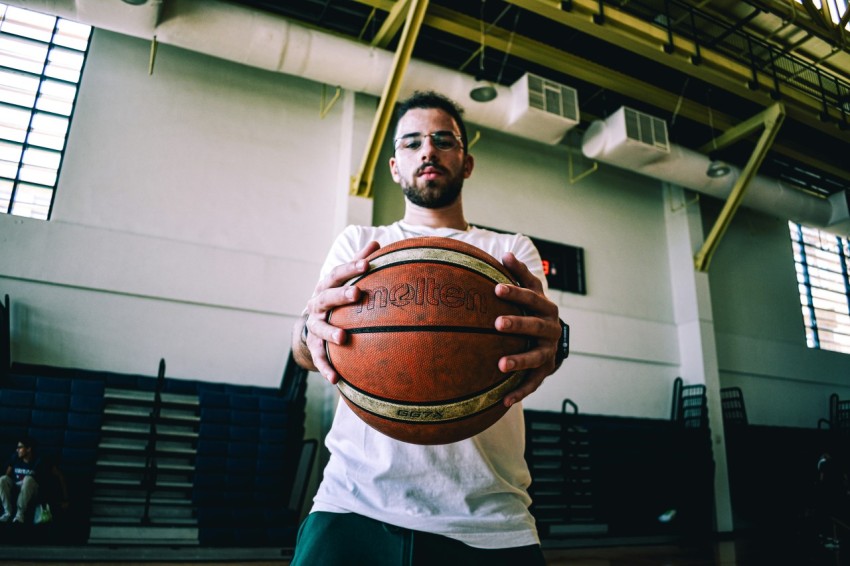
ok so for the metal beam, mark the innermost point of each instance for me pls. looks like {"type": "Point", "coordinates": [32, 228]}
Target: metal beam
{"type": "Point", "coordinates": [770, 119]}
{"type": "Point", "coordinates": [391, 25]}
{"type": "Point", "coordinates": [779, 9]}
{"type": "Point", "coordinates": [467, 27]}
{"type": "Point", "coordinates": [648, 40]}
{"type": "Point", "coordinates": [361, 184]}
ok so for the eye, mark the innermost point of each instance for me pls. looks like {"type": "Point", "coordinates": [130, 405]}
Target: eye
{"type": "Point", "coordinates": [444, 141]}
{"type": "Point", "coordinates": [411, 143]}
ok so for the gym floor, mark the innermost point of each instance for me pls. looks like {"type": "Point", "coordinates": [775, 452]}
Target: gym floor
{"type": "Point", "coordinates": [762, 551]}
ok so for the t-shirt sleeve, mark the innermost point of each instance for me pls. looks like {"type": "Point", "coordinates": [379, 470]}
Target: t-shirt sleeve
{"type": "Point", "coordinates": [526, 252]}
{"type": "Point", "coordinates": [345, 247]}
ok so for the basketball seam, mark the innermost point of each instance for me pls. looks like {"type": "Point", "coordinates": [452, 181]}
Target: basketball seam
{"type": "Point", "coordinates": [423, 328]}
{"type": "Point", "coordinates": [430, 413]}
{"type": "Point", "coordinates": [388, 260]}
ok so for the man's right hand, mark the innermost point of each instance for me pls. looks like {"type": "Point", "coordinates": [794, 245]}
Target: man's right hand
{"type": "Point", "coordinates": [330, 293]}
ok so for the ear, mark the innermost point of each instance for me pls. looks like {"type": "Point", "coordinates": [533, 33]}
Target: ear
{"type": "Point", "coordinates": [468, 165]}
{"type": "Point", "coordinates": [394, 170]}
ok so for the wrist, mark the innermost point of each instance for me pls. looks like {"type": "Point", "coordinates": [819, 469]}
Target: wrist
{"type": "Point", "coordinates": [563, 348]}
{"type": "Point", "coordinates": [304, 330]}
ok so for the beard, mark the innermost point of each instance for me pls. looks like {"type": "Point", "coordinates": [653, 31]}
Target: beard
{"type": "Point", "coordinates": [433, 194]}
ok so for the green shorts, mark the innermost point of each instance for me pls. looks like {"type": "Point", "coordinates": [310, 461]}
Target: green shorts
{"type": "Point", "coordinates": [329, 539]}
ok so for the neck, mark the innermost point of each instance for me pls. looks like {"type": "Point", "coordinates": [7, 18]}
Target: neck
{"type": "Point", "coordinates": [447, 217]}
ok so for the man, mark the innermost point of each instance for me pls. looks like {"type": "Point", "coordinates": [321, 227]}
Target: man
{"type": "Point", "coordinates": [382, 501]}
{"type": "Point", "coordinates": [25, 475]}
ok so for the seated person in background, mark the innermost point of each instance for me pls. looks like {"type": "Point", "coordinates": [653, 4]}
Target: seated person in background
{"type": "Point", "coordinates": [25, 475]}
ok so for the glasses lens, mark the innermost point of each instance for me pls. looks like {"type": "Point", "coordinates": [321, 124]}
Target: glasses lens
{"type": "Point", "coordinates": [444, 142]}
{"type": "Point", "coordinates": [412, 142]}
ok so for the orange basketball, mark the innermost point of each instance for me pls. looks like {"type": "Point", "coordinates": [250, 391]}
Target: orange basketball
{"type": "Point", "coordinates": [421, 360]}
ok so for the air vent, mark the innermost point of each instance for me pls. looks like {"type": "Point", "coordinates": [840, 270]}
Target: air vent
{"type": "Point", "coordinates": [552, 97]}
{"type": "Point", "coordinates": [541, 107]}
{"type": "Point", "coordinates": [631, 137]}
{"type": "Point", "coordinates": [646, 129]}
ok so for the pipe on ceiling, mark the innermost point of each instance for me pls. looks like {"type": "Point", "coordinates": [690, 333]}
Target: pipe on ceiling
{"type": "Point", "coordinates": [690, 169]}
{"type": "Point", "coordinates": [273, 43]}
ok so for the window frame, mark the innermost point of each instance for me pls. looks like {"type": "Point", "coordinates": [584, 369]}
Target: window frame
{"type": "Point", "coordinates": [822, 265]}
{"type": "Point", "coordinates": [36, 152]}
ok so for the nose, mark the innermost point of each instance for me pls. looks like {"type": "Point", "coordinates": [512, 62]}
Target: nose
{"type": "Point", "coordinates": [427, 152]}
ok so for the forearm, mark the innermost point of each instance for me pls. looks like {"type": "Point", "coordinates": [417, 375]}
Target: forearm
{"type": "Point", "coordinates": [300, 351]}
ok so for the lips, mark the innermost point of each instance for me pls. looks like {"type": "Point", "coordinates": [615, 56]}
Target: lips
{"type": "Point", "coordinates": [430, 171]}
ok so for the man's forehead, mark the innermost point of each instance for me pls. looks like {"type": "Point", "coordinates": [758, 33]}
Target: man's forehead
{"type": "Point", "coordinates": [425, 120]}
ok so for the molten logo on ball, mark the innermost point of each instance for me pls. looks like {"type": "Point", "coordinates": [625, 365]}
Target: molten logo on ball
{"type": "Point", "coordinates": [424, 291]}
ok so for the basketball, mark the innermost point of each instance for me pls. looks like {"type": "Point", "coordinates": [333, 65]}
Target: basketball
{"type": "Point", "coordinates": [421, 360]}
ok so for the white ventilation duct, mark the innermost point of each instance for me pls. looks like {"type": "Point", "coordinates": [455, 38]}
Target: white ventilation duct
{"type": "Point", "coordinates": [615, 141]}
{"type": "Point", "coordinates": [273, 43]}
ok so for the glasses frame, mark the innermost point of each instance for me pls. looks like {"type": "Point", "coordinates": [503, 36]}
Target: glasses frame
{"type": "Point", "coordinates": [447, 133]}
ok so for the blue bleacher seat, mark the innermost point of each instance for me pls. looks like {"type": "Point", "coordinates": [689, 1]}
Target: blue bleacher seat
{"type": "Point", "coordinates": [244, 433]}
{"type": "Point", "coordinates": [49, 419]}
{"type": "Point", "coordinates": [84, 421]}
{"type": "Point", "coordinates": [273, 435]}
{"type": "Point", "coordinates": [275, 419]}
{"type": "Point", "coordinates": [244, 402]}
{"type": "Point", "coordinates": [204, 386]}
{"type": "Point", "coordinates": [82, 386]}
{"type": "Point", "coordinates": [242, 450]}
{"type": "Point", "coordinates": [48, 438]}
{"type": "Point", "coordinates": [268, 403]}
{"type": "Point", "coordinates": [18, 381]}
{"type": "Point", "coordinates": [53, 401]}
{"type": "Point", "coordinates": [204, 464]}
{"type": "Point", "coordinates": [245, 418]}
{"type": "Point", "coordinates": [267, 483]}
{"type": "Point", "coordinates": [10, 434]}
{"type": "Point", "coordinates": [15, 416]}
{"type": "Point", "coordinates": [52, 384]}
{"type": "Point", "coordinates": [215, 415]}
{"type": "Point", "coordinates": [209, 431]}
{"type": "Point", "coordinates": [240, 465]}
{"type": "Point", "coordinates": [16, 398]}
{"type": "Point", "coordinates": [213, 399]}
{"type": "Point", "coordinates": [81, 439]}
{"type": "Point", "coordinates": [180, 386]}
{"type": "Point", "coordinates": [87, 403]}
{"type": "Point", "coordinates": [81, 457]}
{"type": "Point", "coordinates": [212, 447]}
{"type": "Point", "coordinates": [273, 466]}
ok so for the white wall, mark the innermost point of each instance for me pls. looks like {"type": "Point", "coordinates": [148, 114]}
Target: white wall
{"type": "Point", "coordinates": [760, 334]}
{"type": "Point", "coordinates": [195, 207]}
{"type": "Point", "coordinates": [181, 223]}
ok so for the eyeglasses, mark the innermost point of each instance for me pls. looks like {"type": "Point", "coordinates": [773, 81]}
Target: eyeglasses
{"type": "Point", "coordinates": [444, 141]}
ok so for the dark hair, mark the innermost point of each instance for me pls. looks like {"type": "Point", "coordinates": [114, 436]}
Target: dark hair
{"type": "Point", "coordinates": [431, 99]}
{"type": "Point", "coordinates": [28, 441]}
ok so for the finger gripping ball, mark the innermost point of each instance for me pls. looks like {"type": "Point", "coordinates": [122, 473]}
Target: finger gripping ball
{"type": "Point", "coordinates": [421, 360]}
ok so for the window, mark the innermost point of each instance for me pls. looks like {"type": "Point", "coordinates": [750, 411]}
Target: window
{"type": "Point", "coordinates": [822, 261]}
{"type": "Point", "coordinates": [835, 8]}
{"type": "Point", "coordinates": [41, 60]}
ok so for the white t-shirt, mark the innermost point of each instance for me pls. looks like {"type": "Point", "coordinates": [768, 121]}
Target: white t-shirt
{"type": "Point", "coordinates": [474, 490]}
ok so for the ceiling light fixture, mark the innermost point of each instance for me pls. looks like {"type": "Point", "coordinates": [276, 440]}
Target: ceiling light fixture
{"type": "Point", "coordinates": [484, 90]}
{"type": "Point", "coordinates": [717, 169]}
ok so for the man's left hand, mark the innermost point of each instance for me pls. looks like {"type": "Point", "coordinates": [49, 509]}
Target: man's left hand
{"type": "Point", "coordinates": [540, 322]}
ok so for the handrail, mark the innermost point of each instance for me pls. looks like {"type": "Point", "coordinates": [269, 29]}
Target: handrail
{"type": "Point", "coordinates": [149, 476]}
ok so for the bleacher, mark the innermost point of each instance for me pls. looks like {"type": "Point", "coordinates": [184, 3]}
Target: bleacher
{"type": "Point", "coordinates": [772, 469]}
{"type": "Point", "coordinates": [597, 477]}
{"type": "Point", "coordinates": [158, 460]}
